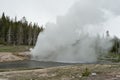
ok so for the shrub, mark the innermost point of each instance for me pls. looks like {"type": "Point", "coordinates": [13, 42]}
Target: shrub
{"type": "Point", "coordinates": [86, 72]}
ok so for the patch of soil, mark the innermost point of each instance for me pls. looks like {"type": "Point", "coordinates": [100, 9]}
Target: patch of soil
{"type": "Point", "coordinates": [8, 56]}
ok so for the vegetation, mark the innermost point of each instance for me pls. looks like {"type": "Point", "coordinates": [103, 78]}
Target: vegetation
{"type": "Point", "coordinates": [116, 45]}
{"type": "Point", "coordinates": [113, 57]}
{"type": "Point", "coordinates": [114, 53]}
{"type": "Point", "coordinates": [13, 32]}
{"type": "Point", "coordinates": [20, 48]}
{"type": "Point", "coordinates": [86, 72]}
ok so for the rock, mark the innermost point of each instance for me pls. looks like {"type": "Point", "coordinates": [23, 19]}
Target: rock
{"type": "Point", "coordinates": [118, 76]}
{"type": "Point", "coordinates": [93, 74]}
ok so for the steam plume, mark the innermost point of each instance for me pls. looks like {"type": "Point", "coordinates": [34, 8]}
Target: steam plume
{"type": "Point", "coordinates": [76, 36]}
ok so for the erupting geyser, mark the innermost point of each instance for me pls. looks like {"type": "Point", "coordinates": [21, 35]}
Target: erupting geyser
{"type": "Point", "coordinates": [77, 36]}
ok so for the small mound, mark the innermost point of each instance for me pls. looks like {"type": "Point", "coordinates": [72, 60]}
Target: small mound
{"type": "Point", "coordinates": [7, 57]}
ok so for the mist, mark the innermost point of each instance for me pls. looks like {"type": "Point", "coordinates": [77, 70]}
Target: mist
{"type": "Point", "coordinates": [77, 36]}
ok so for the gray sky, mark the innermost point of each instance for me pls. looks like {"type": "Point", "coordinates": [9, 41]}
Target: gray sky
{"type": "Point", "coordinates": [43, 11]}
{"type": "Point", "coordinates": [40, 11]}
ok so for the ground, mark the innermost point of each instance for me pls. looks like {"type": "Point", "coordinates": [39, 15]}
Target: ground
{"type": "Point", "coordinates": [14, 53]}
{"type": "Point", "coordinates": [75, 72]}
{"type": "Point", "coordinates": [9, 56]}
{"type": "Point", "coordinates": [107, 71]}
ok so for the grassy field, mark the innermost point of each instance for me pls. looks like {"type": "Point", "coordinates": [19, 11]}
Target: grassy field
{"type": "Point", "coordinates": [20, 48]}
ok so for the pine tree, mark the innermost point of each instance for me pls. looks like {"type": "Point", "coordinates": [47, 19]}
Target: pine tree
{"type": "Point", "coordinates": [15, 32]}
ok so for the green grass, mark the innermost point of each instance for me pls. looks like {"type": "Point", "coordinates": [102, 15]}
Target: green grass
{"type": "Point", "coordinates": [20, 48]}
{"type": "Point", "coordinates": [115, 57]}
{"type": "Point", "coordinates": [112, 57]}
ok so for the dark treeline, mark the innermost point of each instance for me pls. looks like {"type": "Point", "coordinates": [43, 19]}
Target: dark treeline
{"type": "Point", "coordinates": [13, 32]}
{"type": "Point", "coordinates": [116, 45]}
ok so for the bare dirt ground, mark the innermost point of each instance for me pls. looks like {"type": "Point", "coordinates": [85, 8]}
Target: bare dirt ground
{"type": "Point", "coordinates": [9, 56]}
{"type": "Point", "coordinates": [94, 71]}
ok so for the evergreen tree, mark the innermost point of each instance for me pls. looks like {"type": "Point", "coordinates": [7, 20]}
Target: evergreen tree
{"type": "Point", "coordinates": [13, 32]}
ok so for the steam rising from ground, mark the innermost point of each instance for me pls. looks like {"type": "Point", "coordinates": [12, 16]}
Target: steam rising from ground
{"type": "Point", "coordinates": [76, 36]}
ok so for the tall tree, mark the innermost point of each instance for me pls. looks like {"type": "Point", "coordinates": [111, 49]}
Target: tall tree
{"type": "Point", "coordinates": [18, 32]}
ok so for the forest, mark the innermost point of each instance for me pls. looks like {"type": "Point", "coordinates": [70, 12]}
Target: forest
{"type": "Point", "coordinates": [18, 32]}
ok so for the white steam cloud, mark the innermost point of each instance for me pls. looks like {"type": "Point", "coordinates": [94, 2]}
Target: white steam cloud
{"type": "Point", "coordinates": [76, 36]}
